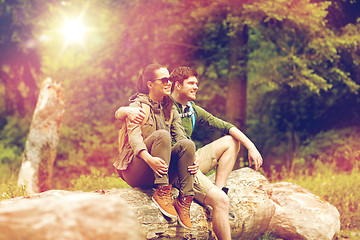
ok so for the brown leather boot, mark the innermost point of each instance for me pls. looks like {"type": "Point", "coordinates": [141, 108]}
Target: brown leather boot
{"type": "Point", "coordinates": [182, 206]}
{"type": "Point", "coordinates": [162, 199]}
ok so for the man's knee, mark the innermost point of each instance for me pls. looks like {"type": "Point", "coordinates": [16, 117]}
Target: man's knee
{"type": "Point", "coordinates": [226, 144]}
{"type": "Point", "coordinates": [232, 142]}
{"type": "Point", "coordinates": [223, 201]}
{"type": "Point", "coordinates": [217, 199]}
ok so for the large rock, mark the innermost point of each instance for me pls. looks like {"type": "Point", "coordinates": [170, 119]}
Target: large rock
{"type": "Point", "coordinates": [153, 221]}
{"type": "Point", "coordinates": [250, 206]}
{"type": "Point", "coordinates": [250, 210]}
{"type": "Point", "coordinates": [65, 215]}
{"type": "Point", "coordinates": [302, 215]}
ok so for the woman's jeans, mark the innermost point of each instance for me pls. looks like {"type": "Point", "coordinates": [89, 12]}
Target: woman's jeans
{"type": "Point", "coordinates": [178, 158]}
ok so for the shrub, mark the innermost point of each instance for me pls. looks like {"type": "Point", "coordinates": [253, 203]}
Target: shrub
{"type": "Point", "coordinates": [339, 147]}
{"type": "Point", "coordinates": [13, 132]}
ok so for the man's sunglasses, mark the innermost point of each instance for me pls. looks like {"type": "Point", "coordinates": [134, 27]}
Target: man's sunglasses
{"type": "Point", "coordinates": [165, 80]}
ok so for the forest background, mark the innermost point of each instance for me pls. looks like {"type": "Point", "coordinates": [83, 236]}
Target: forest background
{"type": "Point", "coordinates": [286, 72]}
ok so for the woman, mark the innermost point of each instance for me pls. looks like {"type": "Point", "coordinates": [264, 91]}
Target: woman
{"type": "Point", "coordinates": [148, 159]}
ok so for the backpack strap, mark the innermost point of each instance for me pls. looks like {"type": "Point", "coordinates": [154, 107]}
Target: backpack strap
{"type": "Point", "coordinates": [192, 111]}
{"type": "Point", "coordinates": [147, 113]}
{"type": "Point", "coordinates": [171, 118]}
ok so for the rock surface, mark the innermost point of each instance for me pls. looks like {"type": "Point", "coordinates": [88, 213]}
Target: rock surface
{"type": "Point", "coordinates": [250, 210]}
{"type": "Point", "coordinates": [250, 206]}
{"type": "Point", "coordinates": [302, 215]}
{"type": "Point", "coordinates": [65, 215]}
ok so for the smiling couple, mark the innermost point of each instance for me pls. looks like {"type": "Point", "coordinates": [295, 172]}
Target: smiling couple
{"type": "Point", "coordinates": [159, 152]}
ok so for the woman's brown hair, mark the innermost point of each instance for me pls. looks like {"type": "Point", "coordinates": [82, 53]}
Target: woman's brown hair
{"type": "Point", "coordinates": [147, 75]}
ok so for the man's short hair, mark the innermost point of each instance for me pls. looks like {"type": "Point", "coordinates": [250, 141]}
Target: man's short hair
{"type": "Point", "coordinates": [179, 74]}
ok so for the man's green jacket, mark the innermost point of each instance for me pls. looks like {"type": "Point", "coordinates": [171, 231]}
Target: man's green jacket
{"type": "Point", "coordinates": [202, 118]}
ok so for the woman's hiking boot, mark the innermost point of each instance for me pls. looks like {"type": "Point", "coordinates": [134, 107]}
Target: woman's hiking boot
{"type": "Point", "coordinates": [182, 206]}
{"type": "Point", "coordinates": [162, 199]}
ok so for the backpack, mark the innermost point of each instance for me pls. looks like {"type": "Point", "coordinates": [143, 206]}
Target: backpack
{"type": "Point", "coordinates": [123, 134]}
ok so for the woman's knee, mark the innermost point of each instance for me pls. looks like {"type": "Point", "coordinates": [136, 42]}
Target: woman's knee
{"type": "Point", "coordinates": [162, 136]}
{"type": "Point", "coordinates": [187, 145]}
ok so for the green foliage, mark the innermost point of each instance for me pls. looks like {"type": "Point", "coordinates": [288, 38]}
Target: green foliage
{"type": "Point", "coordinates": [339, 147]}
{"type": "Point", "coordinates": [9, 162]}
{"type": "Point", "coordinates": [284, 120]}
{"type": "Point", "coordinates": [12, 142]}
{"type": "Point", "coordinates": [97, 181]}
{"type": "Point", "coordinates": [339, 189]}
{"type": "Point", "coordinates": [304, 51]}
{"type": "Point", "coordinates": [267, 236]}
{"type": "Point", "coordinates": [86, 145]}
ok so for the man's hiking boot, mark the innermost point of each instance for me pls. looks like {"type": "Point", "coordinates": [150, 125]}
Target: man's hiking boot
{"type": "Point", "coordinates": [162, 199]}
{"type": "Point", "coordinates": [182, 206]}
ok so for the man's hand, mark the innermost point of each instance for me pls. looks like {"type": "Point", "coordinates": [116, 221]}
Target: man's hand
{"type": "Point", "coordinates": [256, 156]}
{"type": "Point", "coordinates": [134, 114]}
{"type": "Point", "coordinates": [253, 153]}
{"type": "Point", "coordinates": [193, 169]}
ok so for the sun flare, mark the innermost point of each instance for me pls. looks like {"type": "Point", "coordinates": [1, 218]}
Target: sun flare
{"type": "Point", "coordinates": [74, 31]}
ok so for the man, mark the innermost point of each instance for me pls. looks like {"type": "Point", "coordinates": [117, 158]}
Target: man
{"type": "Point", "coordinates": [221, 153]}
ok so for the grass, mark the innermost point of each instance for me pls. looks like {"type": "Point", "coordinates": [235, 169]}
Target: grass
{"type": "Point", "coordinates": [11, 190]}
{"type": "Point", "coordinates": [87, 183]}
{"type": "Point", "coordinates": [97, 181]}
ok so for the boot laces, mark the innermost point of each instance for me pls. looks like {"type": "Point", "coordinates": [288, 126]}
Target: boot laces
{"type": "Point", "coordinates": [165, 194]}
{"type": "Point", "coordinates": [185, 202]}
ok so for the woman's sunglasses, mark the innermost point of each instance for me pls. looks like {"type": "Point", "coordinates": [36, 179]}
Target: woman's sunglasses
{"type": "Point", "coordinates": [165, 80]}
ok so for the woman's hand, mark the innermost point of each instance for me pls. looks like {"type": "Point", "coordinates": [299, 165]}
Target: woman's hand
{"type": "Point", "coordinates": [193, 169]}
{"type": "Point", "coordinates": [158, 165]}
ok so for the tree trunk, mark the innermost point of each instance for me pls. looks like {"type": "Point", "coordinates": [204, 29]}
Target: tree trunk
{"type": "Point", "coordinates": [41, 145]}
{"type": "Point", "coordinates": [237, 83]}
